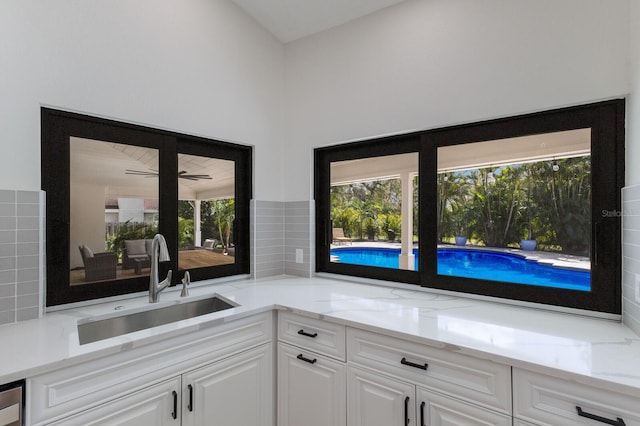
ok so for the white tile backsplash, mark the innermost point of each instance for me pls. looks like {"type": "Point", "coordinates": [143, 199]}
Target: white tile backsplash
{"type": "Point", "coordinates": [21, 255]}
{"type": "Point", "coordinates": [631, 256]}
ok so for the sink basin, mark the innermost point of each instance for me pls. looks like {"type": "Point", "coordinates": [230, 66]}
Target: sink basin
{"type": "Point", "coordinates": [111, 325]}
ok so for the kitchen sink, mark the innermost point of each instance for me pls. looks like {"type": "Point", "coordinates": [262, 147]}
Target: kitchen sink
{"type": "Point", "coordinates": [98, 328]}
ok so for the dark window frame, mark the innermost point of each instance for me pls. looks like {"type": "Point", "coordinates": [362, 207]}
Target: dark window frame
{"type": "Point", "coordinates": [56, 129]}
{"type": "Point", "coordinates": [606, 120]}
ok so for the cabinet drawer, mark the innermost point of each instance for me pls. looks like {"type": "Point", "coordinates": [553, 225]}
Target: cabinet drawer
{"type": "Point", "coordinates": [319, 336]}
{"type": "Point", "coordinates": [70, 390]}
{"type": "Point", "coordinates": [479, 381]}
{"type": "Point", "coordinates": [547, 400]}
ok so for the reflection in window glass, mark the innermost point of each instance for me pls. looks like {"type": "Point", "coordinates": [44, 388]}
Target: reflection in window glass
{"type": "Point", "coordinates": [517, 210]}
{"type": "Point", "coordinates": [113, 210]}
{"type": "Point", "coordinates": [373, 206]}
{"type": "Point", "coordinates": [206, 212]}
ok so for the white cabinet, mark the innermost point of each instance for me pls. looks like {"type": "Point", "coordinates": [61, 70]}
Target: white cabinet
{"type": "Point", "coordinates": [235, 391]}
{"type": "Point", "coordinates": [156, 406]}
{"type": "Point", "coordinates": [376, 400]}
{"type": "Point", "coordinates": [434, 409]}
{"type": "Point", "coordinates": [545, 400]}
{"type": "Point", "coordinates": [311, 372]}
{"type": "Point", "coordinates": [397, 382]}
{"type": "Point", "coordinates": [223, 372]}
{"type": "Point", "coordinates": [311, 388]}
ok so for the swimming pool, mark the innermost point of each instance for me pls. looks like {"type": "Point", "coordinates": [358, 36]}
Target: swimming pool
{"type": "Point", "coordinates": [490, 265]}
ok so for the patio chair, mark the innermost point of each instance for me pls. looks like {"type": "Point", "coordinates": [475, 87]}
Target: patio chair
{"type": "Point", "coordinates": [98, 266]}
{"type": "Point", "coordinates": [210, 244]}
{"type": "Point", "coordinates": [136, 254]}
{"type": "Point", "coordinates": [339, 237]}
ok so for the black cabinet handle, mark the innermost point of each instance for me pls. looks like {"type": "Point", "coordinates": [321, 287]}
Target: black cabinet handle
{"type": "Point", "coordinates": [412, 364]}
{"type": "Point", "coordinates": [304, 333]}
{"type": "Point", "coordinates": [406, 411]}
{"type": "Point", "coordinates": [422, 413]}
{"type": "Point", "coordinates": [174, 414]}
{"type": "Point", "coordinates": [190, 406]}
{"type": "Point", "coordinates": [303, 358]}
{"type": "Point", "coordinates": [617, 422]}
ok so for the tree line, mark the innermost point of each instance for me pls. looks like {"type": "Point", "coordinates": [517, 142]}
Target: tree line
{"type": "Point", "coordinates": [546, 201]}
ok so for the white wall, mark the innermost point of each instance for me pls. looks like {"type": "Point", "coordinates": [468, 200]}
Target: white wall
{"type": "Point", "coordinates": [194, 66]}
{"type": "Point", "coordinates": [429, 63]}
{"type": "Point", "coordinates": [633, 110]}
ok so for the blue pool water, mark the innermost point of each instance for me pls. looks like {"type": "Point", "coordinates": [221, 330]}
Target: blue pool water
{"type": "Point", "coordinates": [479, 264]}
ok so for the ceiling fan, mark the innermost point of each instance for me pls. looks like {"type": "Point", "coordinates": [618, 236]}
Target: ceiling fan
{"type": "Point", "coordinates": [182, 174]}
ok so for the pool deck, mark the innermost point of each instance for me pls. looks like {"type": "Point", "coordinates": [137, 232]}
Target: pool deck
{"type": "Point", "coordinates": [558, 260]}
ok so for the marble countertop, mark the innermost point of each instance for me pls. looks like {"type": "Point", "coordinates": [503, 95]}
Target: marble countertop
{"type": "Point", "coordinates": [594, 351]}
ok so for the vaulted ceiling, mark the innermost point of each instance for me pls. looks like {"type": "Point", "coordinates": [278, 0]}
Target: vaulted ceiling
{"type": "Point", "coordinates": [289, 20]}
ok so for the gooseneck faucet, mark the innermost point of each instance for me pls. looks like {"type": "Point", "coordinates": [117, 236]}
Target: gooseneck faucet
{"type": "Point", "coordinates": [159, 253]}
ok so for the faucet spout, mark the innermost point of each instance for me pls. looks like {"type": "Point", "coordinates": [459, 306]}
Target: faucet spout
{"type": "Point", "coordinates": [159, 253]}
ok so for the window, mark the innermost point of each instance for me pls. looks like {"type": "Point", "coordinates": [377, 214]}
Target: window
{"type": "Point", "coordinates": [112, 186]}
{"type": "Point", "coordinates": [520, 208]}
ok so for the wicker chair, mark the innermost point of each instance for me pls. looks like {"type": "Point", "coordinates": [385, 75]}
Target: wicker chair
{"type": "Point", "coordinates": [98, 266]}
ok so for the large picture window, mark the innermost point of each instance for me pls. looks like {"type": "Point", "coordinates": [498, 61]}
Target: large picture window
{"type": "Point", "coordinates": [112, 186]}
{"type": "Point", "coordinates": [516, 208]}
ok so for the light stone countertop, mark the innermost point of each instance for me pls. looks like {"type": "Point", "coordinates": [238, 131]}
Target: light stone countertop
{"type": "Point", "coordinates": [593, 351]}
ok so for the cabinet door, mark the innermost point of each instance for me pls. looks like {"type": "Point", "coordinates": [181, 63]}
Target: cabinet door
{"type": "Point", "coordinates": [235, 391]}
{"type": "Point", "coordinates": [311, 389]}
{"type": "Point", "coordinates": [376, 400]}
{"type": "Point", "coordinates": [439, 410]}
{"type": "Point", "coordinates": [158, 405]}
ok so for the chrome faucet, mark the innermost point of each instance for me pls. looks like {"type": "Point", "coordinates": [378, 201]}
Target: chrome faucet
{"type": "Point", "coordinates": [159, 253]}
{"type": "Point", "coordinates": [185, 282]}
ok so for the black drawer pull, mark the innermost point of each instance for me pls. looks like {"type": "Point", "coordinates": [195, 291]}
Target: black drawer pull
{"type": "Point", "coordinates": [174, 414]}
{"type": "Point", "coordinates": [422, 413]}
{"type": "Point", "coordinates": [617, 422]}
{"type": "Point", "coordinates": [304, 333]}
{"type": "Point", "coordinates": [303, 358]}
{"type": "Point", "coordinates": [190, 406]}
{"type": "Point", "coordinates": [406, 411]}
{"type": "Point", "coordinates": [424, 366]}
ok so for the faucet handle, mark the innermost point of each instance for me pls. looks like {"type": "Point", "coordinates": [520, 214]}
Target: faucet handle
{"type": "Point", "coordinates": [186, 280]}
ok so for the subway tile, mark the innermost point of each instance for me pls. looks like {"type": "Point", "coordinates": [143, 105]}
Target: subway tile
{"type": "Point", "coordinates": [631, 193]}
{"type": "Point", "coordinates": [26, 275]}
{"type": "Point", "coordinates": [8, 277]}
{"type": "Point", "coordinates": [7, 290]}
{"type": "Point", "coordinates": [27, 236]}
{"type": "Point", "coordinates": [28, 210]}
{"type": "Point", "coordinates": [7, 196]}
{"type": "Point", "coordinates": [7, 237]}
{"type": "Point", "coordinates": [28, 197]}
{"type": "Point", "coordinates": [28, 262]}
{"type": "Point", "coordinates": [7, 250]}
{"type": "Point", "coordinates": [27, 314]}
{"type": "Point", "coordinates": [27, 249]}
{"type": "Point", "coordinates": [269, 257]}
{"type": "Point", "coordinates": [27, 301]}
{"type": "Point", "coordinates": [8, 303]}
{"type": "Point", "coordinates": [8, 223]}
{"type": "Point", "coordinates": [7, 263]}
{"type": "Point", "coordinates": [298, 220]}
{"type": "Point", "coordinates": [631, 237]}
{"type": "Point", "coordinates": [7, 317]}
{"type": "Point", "coordinates": [32, 223]}
{"type": "Point", "coordinates": [29, 287]}
{"type": "Point", "coordinates": [7, 210]}
{"type": "Point", "coordinates": [268, 204]}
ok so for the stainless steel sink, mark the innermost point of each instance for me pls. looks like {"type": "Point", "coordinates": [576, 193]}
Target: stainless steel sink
{"type": "Point", "coordinates": [111, 325]}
